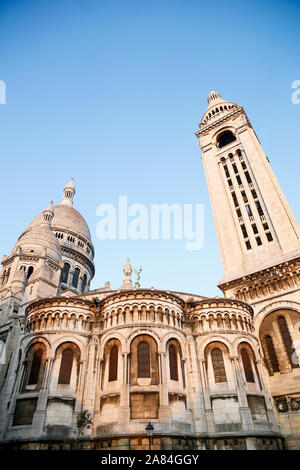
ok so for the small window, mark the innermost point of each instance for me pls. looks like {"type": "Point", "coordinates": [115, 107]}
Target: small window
{"type": "Point", "coordinates": [248, 209]}
{"type": "Point", "coordinates": [235, 168]}
{"type": "Point", "coordinates": [113, 364]}
{"type": "Point", "coordinates": [65, 366]}
{"type": "Point", "coordinates": [65, 273]}
{"type": "Point", "coordinates": [247, 366]}
{"type": "Point", "coordinates": [248, 245]}
{"type": "Point", "coordinates": [272, 354]}
{"type": "Point", "coordinates": [75, 278]}
{"type": "Point", "coordinates": [258, 241]}
{"type": "Point", "coordinates": [254, 228]}
{"type": "Point", "coordinates": [226, 171]}
{"type": "Point", "coordinates": [288, 343]}
{"type": "Point", "coordinates": [143, 353]}
{"type": "Point", "coordinates": [254, 194]}
{"type": "Point", "coordinates": [245, 234]}
{"type": "Point", "coordinates": [259, 208]}
{"type": "Point", "coordinates": [218, 365]}
{"type": "Point", "coordinates": [225, 138]}
{"type": "Point", "coordinates": [269, 236]}
{"type": "Point", "coordinates": [248, 178]}
{"type": "Point", "coordinates": [35, 367]}
{"type": "Point", "coordinates": [83, 283]}
{"type": "Point", "coordinates": [235, 199]}
{"type": "Point", "coordinates": [239, 181]}
{"type": "Point", "coordinates": [244, 196]}
{"type": "Point", "coordinates": [29, 272]}
{"type": "Point", "coordinates": [173, 363]}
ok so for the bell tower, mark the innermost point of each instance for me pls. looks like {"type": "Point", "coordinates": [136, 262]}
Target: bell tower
{"type": "Point", "coordinates": [255, 226]}
{"type": "Point", "coordinates": [259, 240]}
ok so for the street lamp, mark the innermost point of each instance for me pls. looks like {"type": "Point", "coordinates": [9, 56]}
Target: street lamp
{"type": "Point", "coordinates": [149, 431]}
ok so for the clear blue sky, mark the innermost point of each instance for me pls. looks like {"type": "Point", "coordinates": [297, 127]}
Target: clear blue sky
{"type": "Point", "coordinates": [111, 92]}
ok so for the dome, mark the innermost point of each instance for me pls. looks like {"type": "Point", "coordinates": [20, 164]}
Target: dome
{"type": "Point", "coordinates": [66, 218]}
{"type": "Point", "coordinates": [216, 108]}
{"type": "Point", "coordinates": [39, 240]}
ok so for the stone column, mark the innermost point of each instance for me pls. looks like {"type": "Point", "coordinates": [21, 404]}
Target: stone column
{"type": "Point", "coordinates": [90, 380]}
{"type": "Point", "coordinates": [164, 408]}
{"type": "Point", "coordinates": [195, 387]}
{"type": "Point", "coordinates": [245, 412]}
{"type": "Point", "coordinates": [39, 416]}
{"type": "Point", "coordinates": [80, 389]}
{"type": "Point", "coordinates": [206, 396]}
{"type": "Point", "coordinates": [98, 384]}
{"type": "Point", "coordinates": [124, 411]}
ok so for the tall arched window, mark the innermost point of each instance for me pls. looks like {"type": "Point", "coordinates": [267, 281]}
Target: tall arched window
{"type": "Point", "coordinates": [29, 272]}
{"type": "Point", "coordinates": [65, 273]}
{"type": "Point", "coordinates": [75, 278]}
{"type": "Point", "coordinates": [288, 343]}
{"type": "Point", "coordinates": [173, 363]}
{"type": "Point", "coordinates": [143, 353]}
{"type": "Point", "coordinates": [272, 354]}
{"type": "Point", "coordinates": [35, 367]}
{"type": "Point", "coordinates": [247, 366]}
{"type": "Point", "coordinates": [218, 365]}
{"type": "Point", "coordinates": [225, 138]}
{"type": "Point", "coordinates": [113, 364]}
{"type": "Point", "coordinates": [65, 366]}
{"type": "Point", "coordinates": [83, 282]}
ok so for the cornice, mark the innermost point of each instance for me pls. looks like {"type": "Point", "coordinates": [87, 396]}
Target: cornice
{"type": "Point", "coordinates": [204, 130]}
{"type": "Point", "coordinates": [220, 302]}
{"type": "Point", "coordinates": [138, 293]}
{"type": "Point", "coordinates": [270, 273]}
{"type": "Point", "coordinates": [58, 302]}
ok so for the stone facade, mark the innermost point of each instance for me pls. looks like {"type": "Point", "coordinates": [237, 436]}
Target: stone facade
{"type": "Point", "coordinates": [208, 373]}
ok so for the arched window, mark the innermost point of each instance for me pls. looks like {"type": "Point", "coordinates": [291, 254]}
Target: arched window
{"type": "Point", "coordinates": [75, 278]}
{"type": "Point", "coordinates": [143, 353]}
{"type": "Point", "coordinates": [83, 282]}
{"type": "Point", "coordinates": [113, 364]}
{"type": "Point", "coordinates": [65, 273]}
{"type": "Point", "coordinates": [272, 354]}
{"type": "Point", "coordinates": [218, 365]}
{"type": "Point", "coordinates": [65, 366]}
{"type": "Point", "coordinates": [35, 367]}
{"type": "Point", "coordinates": [288, 343]}
{"type": "Point", "coordinates": [225, 138]}
{"type": "Point", "coordinates": [247, 366]}
{"type": "Point", "coordinates": [173, 363]}
{"type": "Point", "coordinates": [29, 272]}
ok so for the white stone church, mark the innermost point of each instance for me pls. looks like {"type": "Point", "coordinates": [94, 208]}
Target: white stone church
{"type": "Point", "coordinates": [207, 373]}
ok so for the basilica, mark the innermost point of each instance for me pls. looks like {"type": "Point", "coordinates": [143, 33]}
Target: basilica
{"type": "Point", "coordinates": [207, 373]}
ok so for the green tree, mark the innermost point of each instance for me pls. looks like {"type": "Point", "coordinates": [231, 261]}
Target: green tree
{"type": "Point", "coordinates": [84, 421]}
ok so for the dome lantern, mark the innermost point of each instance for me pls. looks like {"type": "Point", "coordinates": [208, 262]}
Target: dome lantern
{"type": "Point", "coordinates": [127, 271]}
{"type": "Point", "coordinates": [213, 96]}
{"type": "Point", "coordinates": [48, 214]}
{"type": "Point", "coordinates": [69, 192]}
